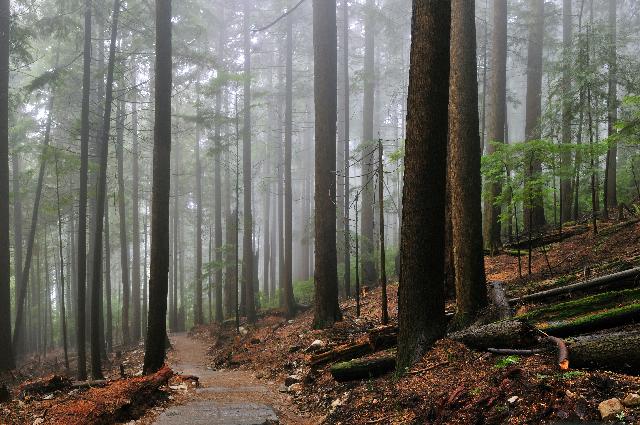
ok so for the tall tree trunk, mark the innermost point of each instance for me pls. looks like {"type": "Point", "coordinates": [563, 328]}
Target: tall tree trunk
{"type": "Point", "coordinates": [383, 271]}
{"type": "Point", "coordinates": [124, 243]}
{"type": "Point", "coordinates": [136, 332]}
{"type": "Point", "coordinates": [156, 331]}
{"type": "Point", "coordinates": [369, 275]}
{"type": "Point", "coordinates": [61, 306]}
{"type": "Point", "coordinates": [96, 293]}
{"type": "Point", "coordinates": [174, 319]}
{"type": "Point", "coordinates": [198, 315]}
{"type": "Point", "coordinates": [346, 118]}
{"type": "Point", "coordinates": [247, 231]}
{"type": "Point", "coordinates": [497, 118]}
{"type": "Point", "coordinates": [17, 331]}
{"type": "Point", "coordinates": [6, 350]}
{"type": "Point", "coordinates": [325, 45]}
{"type": "Point", "coordinates": [107, 281]}
{"type": "Point", "coordinates": [421, 317]}
{"type": "Point", "coordinates": [287, 293]}
{"type": "Point", "coordinates": [534, 207]}
{"type": "Point", "coordinates": [17, 226]}
{"type": "Point", "coordinates": [218, 184]}
{"type": "Point", "coordinates": [82, 207]}
{"type": "Point", "coordinates": [145, 282]}
{"type": "Point", "coordinates": [612, 111]}
{"type": "Point", "coordinates": [566, 186]}
{"type": "Point", "coordinates": [464, 166]}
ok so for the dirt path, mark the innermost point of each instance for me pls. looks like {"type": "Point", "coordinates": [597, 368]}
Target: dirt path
{"type": "Point", "coordinates": [226, 397]}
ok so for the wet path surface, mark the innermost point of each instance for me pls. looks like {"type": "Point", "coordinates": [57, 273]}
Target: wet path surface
{"type": "Point", "coordinates": [229, 397]}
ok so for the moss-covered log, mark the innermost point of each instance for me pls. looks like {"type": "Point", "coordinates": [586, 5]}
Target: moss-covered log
{"type": "Point", "coordinates": [363, 368]}
{"type": "Point", "coordinates": [595, 322]}
{"type": "Point", "coordinates": [621, 279]}
{"type": "Point", "coordinates": [617, 352]}
{"type": "Point", "coordinates": [503, 334]}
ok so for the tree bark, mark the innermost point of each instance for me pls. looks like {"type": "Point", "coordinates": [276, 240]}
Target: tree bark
{"type": "Point", "coordinates": [247, 232]}
{"type": "Point", "coordinates": [82, 207]}
{"type": "Point", "coordinates": [327, 310]}
{"type": "Point", "coordinates": [421, 315]}
{"type": "Point", "coordinates": [156, 329]}
{"type": "Point", "coordinates": [346, 118]}
{"type": "Point", "coordinates": [287, 293]}
{"type": "Point", "coordinates": [566, 186]}
{"type": "Point", "coordinates": [497, 119]}
{"type": "Point", "coordinates": [369, 275]}
{"type": "Point", "coordinates": [464, 166]}
{"type": "Point", "coordinates": [96, 280]}
{"type": "Point", "coordinates": [61, 300]}
{"type": "Point", "coordinates": [6, 351]}
{"type": "Point", "coordinates": [534, 207]}
{"type": "Point", "coordinates": [612, 110]}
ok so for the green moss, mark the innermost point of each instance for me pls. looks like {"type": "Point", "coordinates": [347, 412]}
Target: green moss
{"type": "Point", "coordinates": [583, 320]}
{"type": "Point", "coordinates": [569, 309]}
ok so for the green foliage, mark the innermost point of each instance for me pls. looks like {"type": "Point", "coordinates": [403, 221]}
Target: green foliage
{"type": "Point", "coordinates": [507, 361]}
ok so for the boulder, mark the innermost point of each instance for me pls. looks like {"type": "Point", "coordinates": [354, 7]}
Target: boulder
{"type": "Point", "coordinates": [315, 346]}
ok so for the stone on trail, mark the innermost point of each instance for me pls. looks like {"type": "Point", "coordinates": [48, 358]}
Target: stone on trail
{"type": "Point", "coordinates": [631, 400]}
{"type": "Point", "coordinates": [610, 408]}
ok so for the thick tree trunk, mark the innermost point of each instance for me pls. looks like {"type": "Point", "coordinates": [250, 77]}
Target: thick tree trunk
{"type": "Point", "coordinates": [61, 299]}
{"type": "Point", "coordinates": [287, 293]}
{"type": "Point", "coordinates": [566, 186]}
{"type": "Point", "coordinates": [465, 181]}
{"type": "Point", "coordinates": [497, 119]}
{"type": "Point", "coordinates": [612, 351]}
{"type": "Point", "coordinates": [158, 283]}
{"type": "Point", "coordinates": [383, 271]}
{"type": "Point", "coordinates": [247, 231]}
{"type": "Point", "coordinates": [124, 244]}
{"type": "Point", "coordinates": [346, 110]}
{"type": "Point", "coordinates": [534, 207]}
{"type": "Point", "coordinates": [612, 110]}
{"type": "Point", "coordinates": [504, 334]}
{"type": "Point", "coordinates": [96, 280]}
{"type": "Point", "coordinates": [6, 351]}
{"type": "Point", "coordinates": [369, 275]}
{"type": "Point", "coordinates": [327, 309]}
{"type": "Point", "coordinates": [421, 315]}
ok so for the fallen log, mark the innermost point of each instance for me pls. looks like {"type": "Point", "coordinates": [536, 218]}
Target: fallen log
{"type": "Point", "coordinates": [617, 352]}
{"type": "Point", "coordinates": [514, 334]}
{"type": "Point", "coordinates": [383, 337]}
{"type": "Point", "coordinates": [363, 368]}
{"type": "Point", "coordinates": [46, 385]}
{"type": "Point", "coordinates": [340, 353]}
{"type": "Point", "coordinates": [623, 278]}
{"type": "Point", "coordinates": [547, 238]}
{"type": "Point", "coordinates": [80, 385]}
{"type": "Point", "coordinates": [595, 322]}
{"type": "Point", "coordinates": [119, 401]}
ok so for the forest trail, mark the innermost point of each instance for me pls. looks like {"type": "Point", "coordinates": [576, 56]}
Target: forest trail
{"type": "Point", "coordinates": [226, 397]}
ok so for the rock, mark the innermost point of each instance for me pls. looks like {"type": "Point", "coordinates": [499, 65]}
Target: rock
{"type": "Point", "coordinates": [292, 379]}
{"type": "Point", "coordinates": [570, 394]}
{"type": "Point", "coordinates": [610, 408]}
{"type": "Point", "coordinates": [283, 388]}
{"type": "Point", "coordinates": [337, 402]}
{"type": "Point", "coordinates": [513, 399]}
{"type": "Point", "coordinates": [631, 400]}
{"type": "Point", "coordinates": [38, 421]}
{"type": "Point", "coordinates": [295, 388]}
{"type": "Point", "coordinates": [243, 331]}
{"type": "Point", "coordinates": [294, 348]}
{"type": "Point", "coordinates": [315, 346]}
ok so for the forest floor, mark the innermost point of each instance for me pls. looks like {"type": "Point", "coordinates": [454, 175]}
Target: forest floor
{"type": "Point", "coordinates": [452, 384]}
{"type": "Point", "coordinates": [263, 371]}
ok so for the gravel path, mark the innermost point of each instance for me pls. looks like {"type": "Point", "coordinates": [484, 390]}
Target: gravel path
{"type": "Point", "coordinates": [227, 397]}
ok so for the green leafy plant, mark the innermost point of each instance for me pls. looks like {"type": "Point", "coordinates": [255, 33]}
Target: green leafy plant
{"type": "Point", "coordinates": [507, 361]}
